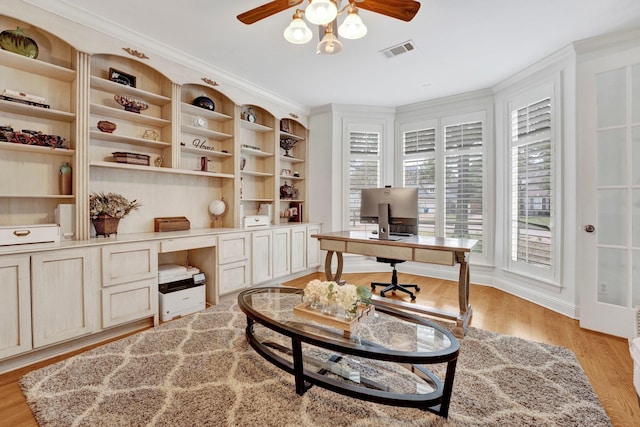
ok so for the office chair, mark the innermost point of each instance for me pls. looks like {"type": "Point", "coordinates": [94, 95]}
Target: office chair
{"type": "Point", "coordinates": [394, 285]}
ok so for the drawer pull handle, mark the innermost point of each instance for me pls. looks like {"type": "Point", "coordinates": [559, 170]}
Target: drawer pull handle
{"type": "Point", "coordinates": [21, 233]}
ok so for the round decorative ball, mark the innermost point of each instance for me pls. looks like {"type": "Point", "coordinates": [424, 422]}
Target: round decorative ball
{"type": "Point", "coordinates": [204, 102]}
{"type": "Point", "coordinates": [217, 207]}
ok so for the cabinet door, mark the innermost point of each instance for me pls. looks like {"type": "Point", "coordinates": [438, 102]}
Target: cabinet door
{"type": "Point", "coordinates": [129, 301]}
{"type": "Point", "coordinates": [233, 247]}
{"type": "Point", "coordinates": [63, 295]}
{"type": "Point", "coordinates": [281, 252]}
{"type": "Point", "coordinates": [233, 277]}
{"type": "Point", "coordinates": [129, 262]}
{"type": "Point", "coordinates": [298, 249]}
{"type": "Point", "coordinates": [261, 256]}
{"type": "Point", "coordinates": [15, 306]}
{"type": "Point", "coordinates": [313, 246]}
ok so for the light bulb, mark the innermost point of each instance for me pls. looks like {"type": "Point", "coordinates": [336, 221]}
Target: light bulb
{"type": "Point", "coordinates": [352, 27]}
{"type": "Point", "coordinates": [321, 12]}
{"type": "Point", "coordinates": [297, 32]}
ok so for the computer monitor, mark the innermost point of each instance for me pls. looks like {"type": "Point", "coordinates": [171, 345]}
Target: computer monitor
{"type": "Point", "coordinates": [394, 209]}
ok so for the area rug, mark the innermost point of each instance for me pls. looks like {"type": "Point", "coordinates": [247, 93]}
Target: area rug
{"type": "Point", "coordinates": [200, 371]}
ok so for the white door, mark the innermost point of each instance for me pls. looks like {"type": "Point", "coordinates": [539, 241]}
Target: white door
{"type": "Point", "coordinates": [609, 118]}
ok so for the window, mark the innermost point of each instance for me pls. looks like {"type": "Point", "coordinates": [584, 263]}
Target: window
{"type": "Point", "coordinates": [447, 166]}
{"type": "Point", "coordinates": [464, 177]}
{"type": "Point", "coordinates": [364, 170]}
{"type": "Point", "coordinates": [532, 185]}
{"type": "Point", "coordinates": [419, 170]}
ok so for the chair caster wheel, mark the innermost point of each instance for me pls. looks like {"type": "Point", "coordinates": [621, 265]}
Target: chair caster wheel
{"type": "Point", "coordinates": [382, 294]}
{"type": "Point", "coordinates": [417, 289]}
{"type": "Point", "coordinates": [413, 299]}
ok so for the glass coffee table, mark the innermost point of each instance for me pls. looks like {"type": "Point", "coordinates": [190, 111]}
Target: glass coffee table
{"type": "Point", "coordinates": [384, 359]}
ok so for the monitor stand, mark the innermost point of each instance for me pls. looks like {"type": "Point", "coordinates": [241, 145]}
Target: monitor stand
{"type": "Point", "coordinates": [383, 223]}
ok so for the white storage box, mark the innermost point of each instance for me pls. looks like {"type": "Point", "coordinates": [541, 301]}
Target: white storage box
{"type": "Point", "coordinates": [39, 233]}
{"type": "Point", "coordinates": [256, 221]}
{"type": "Point", "coordinates": [181, 303]}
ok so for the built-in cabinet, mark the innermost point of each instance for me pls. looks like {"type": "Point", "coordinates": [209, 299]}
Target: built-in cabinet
{"type": "Point", "coordinates": [129, 288]}
{"type": "Point", "coordinates": [281, 252]}
{"type": "Point", "coordinates": [63, 285]}
{"type": "Point", "coordinates": [262, 255]}
{"type": "Point", "coordinates": [234, 262]}
{"type": "Point", "coordinates": [15, 305]}
{"type": "Point", "coordinates": [169, 149]}
{"type": "Point", "coordinates": [52, 76]}
{"type": "Point", "coordinates": [298, 249]}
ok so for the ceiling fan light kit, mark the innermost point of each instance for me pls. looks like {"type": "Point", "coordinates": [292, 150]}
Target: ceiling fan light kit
{"type": "Point", "coordinates": [297, 32]}
{"type": "Point", "coordinates": [321, 12]}
{"type": "Point", "coordinates": [324, 13]}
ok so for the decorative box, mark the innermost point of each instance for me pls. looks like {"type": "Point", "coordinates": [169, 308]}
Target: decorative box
{"type": "Point", "coordinates": [131, 158]}
{"type": "Point", "coordinates": [171, 223]}
{"type": "Point", "coordinates": [39, 233]}
{"type": "Point", "coordinates": [256, 221]}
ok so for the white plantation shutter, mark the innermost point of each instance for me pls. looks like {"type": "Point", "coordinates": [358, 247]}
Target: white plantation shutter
{"type": "Point", "coordinates": [364, 170]}
{"type": "Point", "coordinates": [532, 184]}
{"type": "Point", "coordinates": [419, 170]}
{"type": "Point", "coordinates": [464, 174]}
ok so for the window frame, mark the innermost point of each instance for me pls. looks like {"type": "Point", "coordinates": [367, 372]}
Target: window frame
{"type": "Point", "coordinates": [518, 101]}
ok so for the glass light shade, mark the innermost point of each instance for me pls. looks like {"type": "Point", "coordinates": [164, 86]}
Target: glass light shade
{"type": "Point", "coordinates": [329, 45]}
{"type": "Point", "coordinates": [297, 32]}
{"type": "Point", "coordinates": [352, 27]}
{"type": "Point", "coordinates": [321, 12]}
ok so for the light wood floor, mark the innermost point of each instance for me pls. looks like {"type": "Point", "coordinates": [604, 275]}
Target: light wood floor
{"type": "Point", "coordinates": [605, 359]}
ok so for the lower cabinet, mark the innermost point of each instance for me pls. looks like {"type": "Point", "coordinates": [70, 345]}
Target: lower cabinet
{"type": "Point", "coordinates": [298, 249]}
{"type": "Point", "coordinates": [15, 305]}
{"type": "Point", "coordinates": [129, 283]}
{"type": "Point", "coordinates": [234, 262]}
{"type": "Point", "coordinates": [262, 256]}
{"type": "Point", "coordinates": [62, 295]}
{"type": "Point", "coordinates": [313, 246]}
{"type": "Point", "coordinates": [281, 252]}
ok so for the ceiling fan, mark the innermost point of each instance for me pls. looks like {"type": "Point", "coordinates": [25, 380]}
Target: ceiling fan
{"type": "Point", "coordinates": [404, 10]}
{"type": "Point", "coordinates": [324, 14]}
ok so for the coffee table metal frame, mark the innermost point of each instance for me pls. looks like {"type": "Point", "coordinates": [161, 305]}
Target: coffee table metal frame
{"type": "Point", "coordinates": [437, 401]}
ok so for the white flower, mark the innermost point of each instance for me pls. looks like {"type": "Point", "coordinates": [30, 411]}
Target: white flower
{"type": "Point", "coordinates": [347, 296]}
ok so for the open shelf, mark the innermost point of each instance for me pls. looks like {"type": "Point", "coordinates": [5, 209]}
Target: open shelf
{"type": "Point", "coordinates": [125, 166]}
{"type": "Point", "coordinates": [117, 88]}
{"type": "Point", "coordinates": [127, 115]}
{"type": "Point", "coordinates": [41, 68]}
{"type": "Point", "coordinates": [207, 114]}
{"type": "Point", "coordinates": [257, 153]}
{"type": "Point", "coordinates": [256, 127]}
{"type": "Point", "coordinates": [12, 146]}
{"type": "Point", "coordinates": [291, 159]}
{"type": "Point", "coordinates": [255, 173]}
{"type": "Point", "coordinates": [140, 142]}
{"type": "Point", "coordinates": [205, 132]}
{"type": "Point", "coordinates": [38, 112]}
{"type": "Point", "coordinates": [200, 151]}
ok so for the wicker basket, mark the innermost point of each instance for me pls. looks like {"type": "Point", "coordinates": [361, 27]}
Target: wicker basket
{"type": "Point", "coordinates": [106, 225]}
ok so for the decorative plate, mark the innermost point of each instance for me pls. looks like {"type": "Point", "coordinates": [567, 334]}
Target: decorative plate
{"type": "Point", "coordinates": [17, 42]}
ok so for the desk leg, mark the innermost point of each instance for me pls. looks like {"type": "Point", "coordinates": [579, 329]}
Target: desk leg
{"type": "Point", "coordinates": [327, 267]}
{"type": "Point", "coordinates": [464, 279]}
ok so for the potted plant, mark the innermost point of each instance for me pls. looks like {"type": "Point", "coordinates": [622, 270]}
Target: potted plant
{"type": "Point", "coordinates": [106, 209]}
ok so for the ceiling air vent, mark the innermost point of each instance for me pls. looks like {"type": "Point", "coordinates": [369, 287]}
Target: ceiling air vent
{"type": "Point", "coordinates": [399, 49]}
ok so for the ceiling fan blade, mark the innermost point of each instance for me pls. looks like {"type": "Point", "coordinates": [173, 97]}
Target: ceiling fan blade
{"type": "Point", "coordinates": [399, 9]}
{"type": "Point", "coordinates": [266, 10]}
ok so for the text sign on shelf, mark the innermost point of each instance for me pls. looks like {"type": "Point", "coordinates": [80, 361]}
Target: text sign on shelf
{"type": "Point", "coordinates": [201, 144]}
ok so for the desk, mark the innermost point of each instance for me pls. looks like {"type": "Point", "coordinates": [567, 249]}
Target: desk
{"type": "Point", "coordinates": [431, 250]}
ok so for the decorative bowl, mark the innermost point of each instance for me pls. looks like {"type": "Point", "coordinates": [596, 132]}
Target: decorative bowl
{"type": "Point", "coordinates": [287, 144]}
{"type": "Point", "coordinates": [106, 126]}
{"type": "Point", "coordinates": [131, 103]}
{"type": "Point", "coordinates": [204, 102]}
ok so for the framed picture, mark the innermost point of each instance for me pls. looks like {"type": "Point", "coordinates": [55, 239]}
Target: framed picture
{"type": "Point", "coordinates": [285, 125]}
{"type": "Point", "coordinates": [122, 77]}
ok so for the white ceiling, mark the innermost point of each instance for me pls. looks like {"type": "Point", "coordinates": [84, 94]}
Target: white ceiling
{"type": "Point", "coordinates": [461, 45]}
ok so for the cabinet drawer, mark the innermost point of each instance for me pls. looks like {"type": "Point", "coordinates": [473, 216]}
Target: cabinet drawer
{"type": "Point", "coordinates": [130, 301]}
{"type": "Point", "coordinates": [186, 243]}
{"type": "Point", "coordinates": [383, 251]}
{"type": "Point", "coordinates": [434, 257]}
{"type": "Point", "coordinates": [233, 247]}
{"type": "Point", "coordinates": [129, 262]}
{"type": "Point", "coordinates": [333, 245]}
{"type": "Point", "coordinates": [233, 277]}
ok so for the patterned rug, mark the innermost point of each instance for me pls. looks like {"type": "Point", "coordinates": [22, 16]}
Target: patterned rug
{"type": "Point", "coordinates": [200, 371]}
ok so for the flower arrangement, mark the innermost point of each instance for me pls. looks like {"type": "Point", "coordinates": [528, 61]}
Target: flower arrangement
{"type": "Point", "coordinates": [346, 296]}
{"type": "Point", "coordinates": [110, 204]}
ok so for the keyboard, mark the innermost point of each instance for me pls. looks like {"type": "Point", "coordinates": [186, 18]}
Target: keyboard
{"type": "Point", "coordinates": [401, 234]}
